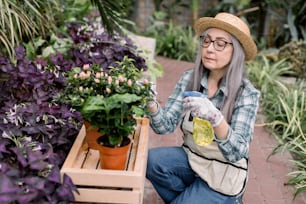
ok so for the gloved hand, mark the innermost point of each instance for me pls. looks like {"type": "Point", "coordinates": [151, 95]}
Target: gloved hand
{"type": "Point", "coordinates": [152, 103]}
{"type": "Point", "coordinates": [203, 108]}
{"type": "Point", "coordinates": [152, 106]}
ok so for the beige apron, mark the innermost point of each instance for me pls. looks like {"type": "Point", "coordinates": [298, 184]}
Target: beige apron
{"type": "Point", "coordinates": [208, 162]}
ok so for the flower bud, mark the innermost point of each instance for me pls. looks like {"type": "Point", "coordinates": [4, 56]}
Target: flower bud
{"type": "Point", "coordinates": [109, 79]}
{"type": "Point", "coordinates": [86, 66]}
{"type": "Point", "coordinates": [82, 75]}
{"type": "Point", "coordinates": [121, 78]}
{"type": "Point", "coordinates": [145, 82]}
{"type": "Point", "coordinates": [129, 82]}
{"type": "Point", "coordinates": [108, 90]}
{"type": "Point", "coordinates": [117, 82]}
{"type": "Point", "coordinates": [88, 73]}
{"type": "Point", "coordinates": [98, 75]}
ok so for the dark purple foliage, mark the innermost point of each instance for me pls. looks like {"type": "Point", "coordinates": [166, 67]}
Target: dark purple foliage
{"type": "Point", "coordinates": [93, 45]}
{"type": "Point", "coordinates": [27, 82]}
{"type": "Point", "coordinates": [28, 176]}
{"type": "Point", "coordinates": [29, 170]}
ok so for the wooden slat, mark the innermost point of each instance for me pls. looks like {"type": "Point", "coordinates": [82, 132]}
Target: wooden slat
{"type": "Point", "coordinates": [107, 178]}
{"type": "Point", "coordinates": [142, 150]}
{"type": "Point", "coordinates": [134, 147]}
{"type": "Point", "coordinates": [79, 160]}
{"type": "Point", "coordinates": [142, 153]}
{"type": "Point", "coordinates": [108, 196]}
{"type": "Point", "coordinates": [75, 148]}
{"type": "Point", "coordinates": [92, 159]}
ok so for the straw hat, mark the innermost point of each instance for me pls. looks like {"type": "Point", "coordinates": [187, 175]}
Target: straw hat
{"type": "Point", "coordinates": [233, 25]}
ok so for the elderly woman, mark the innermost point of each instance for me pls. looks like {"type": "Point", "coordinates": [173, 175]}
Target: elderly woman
{"type": "Point", "coordinates": [215, 106]}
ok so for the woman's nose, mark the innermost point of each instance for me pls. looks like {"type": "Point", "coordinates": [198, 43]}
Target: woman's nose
{"type": "Point", "coordinates": [211, 47]}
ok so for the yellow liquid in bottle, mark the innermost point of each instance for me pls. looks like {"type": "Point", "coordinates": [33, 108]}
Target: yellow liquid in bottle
{"type": "Point", "coordinates": [203, 132]}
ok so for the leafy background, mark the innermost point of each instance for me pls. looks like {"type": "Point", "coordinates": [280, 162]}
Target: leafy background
{"type": "Point", "coordinates": [41, 42]}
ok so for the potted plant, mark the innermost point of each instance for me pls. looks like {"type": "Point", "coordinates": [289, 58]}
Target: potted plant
{"type": "Point", "coordinates": [110, 101]}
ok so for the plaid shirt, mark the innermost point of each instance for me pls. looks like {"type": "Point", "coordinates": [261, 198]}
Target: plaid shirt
{"type": "Point", "coordinates": [236, 146]}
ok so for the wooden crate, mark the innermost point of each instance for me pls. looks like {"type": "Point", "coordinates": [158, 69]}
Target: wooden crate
{"type": "Point", "coordinates": [109, 186]}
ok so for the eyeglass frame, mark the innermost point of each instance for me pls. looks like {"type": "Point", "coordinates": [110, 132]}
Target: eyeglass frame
{"type": "Point", "coordinates": [203, 37]}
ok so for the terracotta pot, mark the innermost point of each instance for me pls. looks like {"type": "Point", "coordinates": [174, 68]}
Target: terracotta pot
{"type": "Point", "coordinates": [91, 136]}
{"type": "Point", "coordinates": [114, 158]}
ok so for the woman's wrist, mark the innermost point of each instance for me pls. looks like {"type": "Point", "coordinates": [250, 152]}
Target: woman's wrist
{"type": "Point", "coordinates": [222, 130]}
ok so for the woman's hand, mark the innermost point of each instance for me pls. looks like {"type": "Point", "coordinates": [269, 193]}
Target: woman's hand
{"type": "Point", "coordinates": [203, 108]}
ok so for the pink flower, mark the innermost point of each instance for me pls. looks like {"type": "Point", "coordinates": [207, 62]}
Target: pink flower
{"type": "Point", "coordinates": [97, 80]}
{"type": "Point", "coordinates": [108, 90]}
{"type": "Point", "coordinates": [109, 79]}
{"type": "Point", "coordinates": [121, 79]}
{"type": "Point", "coordinates": [117, 82]}
{"type": "Point", "coordinates": [88, 73]}
{"type": "Point", "coordinates": [145, 82]}
{"type": "Point", "coordinates": [82, 75]}
{"type": "Point", "coordinates": [98, 75]}
{"type": "Point", "coordinates": [86, 66]}
{"type": "Point", "coordinates": [129, 82]}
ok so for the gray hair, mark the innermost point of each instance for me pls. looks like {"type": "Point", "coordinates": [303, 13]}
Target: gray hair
{"type": "Point", "coordinates": [233, 78]}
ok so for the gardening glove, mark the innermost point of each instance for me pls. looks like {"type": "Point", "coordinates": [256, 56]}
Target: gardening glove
{"type": "Point", "coordinates": [151, 103]}
{"type": "Point", "coordinates": [152, 106]}
{"type": "Point", "coordinates": [201, 107]}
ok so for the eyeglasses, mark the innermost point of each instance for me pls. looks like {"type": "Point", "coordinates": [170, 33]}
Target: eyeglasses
{"type": "Point", "coordinates": [219, 44]}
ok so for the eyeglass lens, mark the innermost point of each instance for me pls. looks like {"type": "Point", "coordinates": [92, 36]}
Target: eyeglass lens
{"type": "Point", "coordinates": [218, 44]}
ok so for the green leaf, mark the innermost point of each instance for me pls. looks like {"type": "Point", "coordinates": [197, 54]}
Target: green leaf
{"type": "Point", "coordinates": [96, 103]}
{"type": "Point", "coordinates": [110, 13]}
{"type": "Point", "coordinates": [48, 51]}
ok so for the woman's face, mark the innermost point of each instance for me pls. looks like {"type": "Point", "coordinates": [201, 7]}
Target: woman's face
{"type": "Point", "coordinates": [217, 50]}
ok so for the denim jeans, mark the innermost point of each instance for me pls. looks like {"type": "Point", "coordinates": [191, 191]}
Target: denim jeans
{"type": "Point", "coordinates": [176, 183]}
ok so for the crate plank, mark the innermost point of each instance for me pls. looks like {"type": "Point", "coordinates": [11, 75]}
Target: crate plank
{"type": "Point", "coordinates": [92, 159]}
{"type": "Point", "coordinates": [75, 149]}
{"type": "Point", "coordinates": [135, 144]}
{"type": "Point", "coordinates": [121, 196]}
{"type": "Point", "coordinates": [105, 178]}
{"type": "Point", "coordinates": [78, 162]}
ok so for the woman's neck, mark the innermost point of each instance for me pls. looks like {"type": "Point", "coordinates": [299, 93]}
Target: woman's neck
{"type": "Point", "coordinates": [213, 82]}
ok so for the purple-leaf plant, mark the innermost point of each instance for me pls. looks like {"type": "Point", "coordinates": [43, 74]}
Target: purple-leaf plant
{"type": "Point", "coordinates": [36, 134]}
{"type": "Point", "coordinates": [28, 173]}
{"type": "Point", "coordinates": [32, 81]}
{"type": "Point", "coordinates": [93, 45]}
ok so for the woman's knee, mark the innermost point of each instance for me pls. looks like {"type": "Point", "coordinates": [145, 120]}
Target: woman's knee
{"type": "Point", "coordinates": [160, 157]}
{"type": "Point", "coordinates": [153, 160]}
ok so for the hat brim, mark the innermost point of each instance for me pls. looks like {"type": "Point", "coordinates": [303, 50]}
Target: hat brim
{"type": "Point", "coordinates": [247, 42]}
